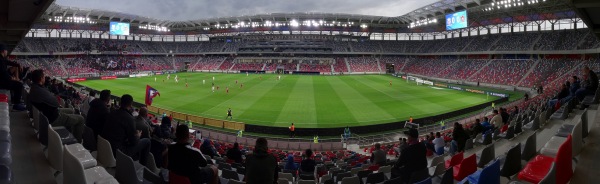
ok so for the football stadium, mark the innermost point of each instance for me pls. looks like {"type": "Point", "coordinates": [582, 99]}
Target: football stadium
{"type": "Point", "coordinates": [308, 92]}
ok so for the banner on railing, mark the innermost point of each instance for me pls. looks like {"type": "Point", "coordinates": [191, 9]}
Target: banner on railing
{"type": "Point", "coordinates": [76, 79]}
{"type": "Point", "coordinates": [108, 77]}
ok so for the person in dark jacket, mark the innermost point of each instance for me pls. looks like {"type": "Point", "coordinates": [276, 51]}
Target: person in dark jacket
{"type": "Point", "coordinates": [460, 136]}
{"type": "Point", "coordinates": [47, 104]}
{"type": "Point", "coordinates": [185, 160]}
{"type": "Point", "coordinates": [98, 112]}
{"type": "Point", "coordinates": [308, 164]}
{"type": "Point", "coordinates": [564, 92]}
{"type": "Point", "coordinates": [9, 81]}
{"type": "Point", "coordinates": [235, 154]}
{"type": "Point", "coordinates": [589, 85]}
{"type": "Point", "coordinates": [208, 149]}
{"type": "Point", "coordinates": [412, 158]}
{"type": "Point", "coordinates": [119, 130]}
{"type": "Point", "coordinates": [261, 167]}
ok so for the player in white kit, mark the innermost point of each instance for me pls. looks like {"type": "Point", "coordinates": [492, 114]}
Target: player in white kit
{"type": "Point", "coordinates": [213, 78]}
{"type": "Point", "coordinates": [279, 77]}
{"type": "Point", "coordinates": [154, 79]}
{"type": "Point", "coordinates": [213, 89]}
{"type": "Point", "coordinates": [168, 76]}
{"type": "Point", "coordinates": [176, 79]}
{"type": "Point", "coordinates": [203, 81]}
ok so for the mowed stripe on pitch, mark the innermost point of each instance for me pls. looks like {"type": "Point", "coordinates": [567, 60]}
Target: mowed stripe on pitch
{"type": "Point", "coordinates": [361, 107]}
{"type": "Point", "coordinates": [300, 105]}
{"type": "Point", "coordinates": [243, 100]}
{"type": "Point", "coordinates": [331, 111]}
{"type": "Point", "coordinates": [269, 106]}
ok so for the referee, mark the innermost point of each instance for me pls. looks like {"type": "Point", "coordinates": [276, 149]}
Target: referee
{"type": "Point", "coordinates": [229, 114]}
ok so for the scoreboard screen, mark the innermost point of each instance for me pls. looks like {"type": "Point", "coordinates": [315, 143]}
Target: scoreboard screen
{"type": "Point", "coordinates": [457, 20]}
{"type": "Point", "coordinates": [119, 28]}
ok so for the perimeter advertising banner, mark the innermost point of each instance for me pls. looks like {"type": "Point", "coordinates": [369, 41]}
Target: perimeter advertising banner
{"type": "Point", "coordinates": [478, 91]}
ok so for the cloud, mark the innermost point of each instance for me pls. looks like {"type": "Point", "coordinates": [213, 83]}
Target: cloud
{"type": "Point", "coordinates": [179, 10]}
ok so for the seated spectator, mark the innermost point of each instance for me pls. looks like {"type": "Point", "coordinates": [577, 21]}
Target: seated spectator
{"type": "Point", "coordinates": [563, 93]}
{"type": "Point", "coordinates": [10, 81]}
{"type": "Point", "coordinates": [289, 163]}
{"type": "Point", "coordinates": [590, 84]}
{"type": "Point", "coordinates": [142, 123]}
{"type": "Point", "coordinates": [235, 154]}
{"type": "Point", "coordinates": [119, 130]}
{"type": "Point", "coordinates": [439, 144]}
{"type": "Point", "coordinates": [378, 155]}
{"type": "Point", "coordinates": [98, 112]}
{"type": "Point", "coordinates": [477, 128]}
{"type": "Point", "coordinates": [308, 164]}
{"type": "Point", "coordinates": [164, 130]}
{"type": "Point", "coordinates": [486, 124]}
{"type": "Point", "coordinates": [460, 136]}
{"type": "Point", "coordinates": [261, 167]}
{"type": "Point", "coordinates": [85, 105]}
{"type": "Point", "coordinates": [47, 103]}
{"type": "Point", "coordinates": [496, 120]}
{"type": "Point", "coordinates": [515, 112]}
{"type": "Point", "coordinates": [208, 149]}
{"type": "Point", "coordinates": [185, 160]}
{"type": "Point", "coordinates": [412, 158]}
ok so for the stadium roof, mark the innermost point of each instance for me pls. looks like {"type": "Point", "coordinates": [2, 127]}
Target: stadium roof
{"type": "Point", "coordinates": [17, 18]}
{"type": "Point", "coordinates": [435, 10]}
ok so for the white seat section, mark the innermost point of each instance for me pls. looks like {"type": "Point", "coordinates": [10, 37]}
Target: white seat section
{"type": "Point", "coordinates": [55, 152]}
{"type": "Point", "coordinates": [551, 147]}
{"type": "Point", "coordinates": [104, 154]}
{"type": "Point", "coordinates": [74, 172]}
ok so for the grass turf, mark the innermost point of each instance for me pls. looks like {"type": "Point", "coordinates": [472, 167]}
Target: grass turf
{"type": "Point", "coordinates": [307, 101]}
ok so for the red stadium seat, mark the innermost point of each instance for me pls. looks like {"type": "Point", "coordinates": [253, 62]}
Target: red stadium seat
{"type": "Point", "coordinates": [178, 179]}
{"type": "Point", "coordinates": [539, 166]}
{"type": "Point", "coordinates": [467, 167]}
{"type": "Point", "coordinates": [373, 168]}
{"type": "Point", "coordinates": [455, 160]}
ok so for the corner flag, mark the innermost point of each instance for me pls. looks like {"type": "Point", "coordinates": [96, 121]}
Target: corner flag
{"type": "Point", "coordinates": [150, 94]}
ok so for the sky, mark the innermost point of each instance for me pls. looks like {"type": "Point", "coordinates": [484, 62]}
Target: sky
{"type": "Point", "coordinates": [181, 10]}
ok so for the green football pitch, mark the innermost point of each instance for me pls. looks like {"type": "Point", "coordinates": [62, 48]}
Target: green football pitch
{"type": "Point", "coordinates": [308, 101]}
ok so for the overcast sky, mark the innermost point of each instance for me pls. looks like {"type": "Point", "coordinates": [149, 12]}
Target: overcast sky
{"type": "Point", "coordinates": [178, 10]}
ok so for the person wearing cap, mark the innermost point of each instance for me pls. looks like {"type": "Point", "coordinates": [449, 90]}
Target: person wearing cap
{"type": "Point", "coordinates": [412, 158]}
{"type": "Point", "coordinates": [8, 81]}
{"type": "Point", "coordinates": [188, 161]}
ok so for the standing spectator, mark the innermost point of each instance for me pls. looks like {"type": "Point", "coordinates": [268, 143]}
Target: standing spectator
{"type": "Point", "coordinates": [11, 82]}
{"type": "Point", "coordinates": [412, 158]}
{"type": "Point", "coordinates": [142, 123]}
{"type": "Point", "coordinates": [235, 154]}
{"type": "Point", "coordinates": [98, 112]}
{"type": "Point", "coordinates": [188, 161]}
{"type": "Point", "coordinates": [47, 103]}
{"type": "Point", "coordinates": [497, 120]}
{"type": "Point", "coordinates": [505, 115]}
{"type": "Point", "coordinates": [589, 85]}
{"type": "Point", "coordinates": [460, 136]}
{"type": "Point", "coordinates": [378, 155]}
{"type": "Point", "coordinates": [439, 143]}
{"type": "Point", "coordinates": [261, 167]}
{"type": "Point", "coordinates": [119, 130]}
